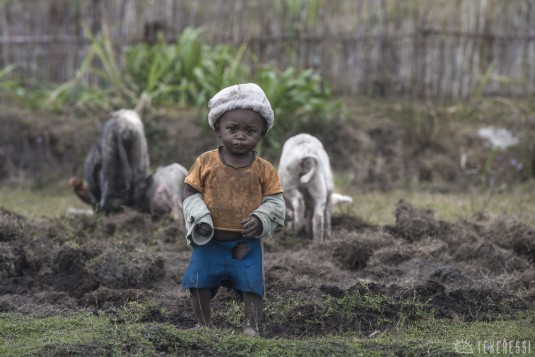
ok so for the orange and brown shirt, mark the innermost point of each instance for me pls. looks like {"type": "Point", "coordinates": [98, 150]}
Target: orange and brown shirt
{"type": "Point", "coordinates": [230, 193]}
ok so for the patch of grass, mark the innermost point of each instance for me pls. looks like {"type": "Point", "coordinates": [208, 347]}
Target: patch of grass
{"type": "Point", "coordinates": [393, 310]}
{"type": "Point", "coordinates": [48, 202]}
{"type": "Point", "coordinates": [232, 313]}
{"type": "Point", "coordinates": [278, 307]}
{"type": "Point", "coordinates": [436, 337]}
{"type": "Point", "coordinates": [133, 312]}
{"type": "Point", "coordinates": [27, 335]}
{"type": "Point", "coordinates": [378, 207]}
{"type": "Point", "coordinates": [373, 207]}
{"type": "Point", "coordinates": [85, 332]}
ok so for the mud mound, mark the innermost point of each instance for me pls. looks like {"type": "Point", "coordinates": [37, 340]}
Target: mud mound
{"type": "Point", "coordinates": [77, 255]}
{"type": "Point", "coordinates": [470, 304]}
{"type": "Point", "coordinates": [119, 268]}
{"type": "Point", "coordinates": [513, 235]}
{"type": "Point", "coordinates": [106, 298]}
{"type": "Point", "coordinates": [414, 224]}
{"type": "Point", "coordinates": [69, 273]}
{"type": "Point", "coordinates": [350, 222]}
{"type": "Point", "coordinates": [458, 254]}
{"type": "Point", "coordinates": [11, 226]}
{"type": "Point", "coordinates": [12, 260]}
{"type": "Point", "coordinates": [352, 250]}
{"type": "Point", "coordinates": [130, 225]}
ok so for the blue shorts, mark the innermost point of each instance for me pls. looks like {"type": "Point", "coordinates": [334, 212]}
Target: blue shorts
{"type": "Point", "coordinates": [212, 265]}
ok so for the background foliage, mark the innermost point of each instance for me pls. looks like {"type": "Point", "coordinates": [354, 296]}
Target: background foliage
{"type": "Point", "coordinates": [186, 73]}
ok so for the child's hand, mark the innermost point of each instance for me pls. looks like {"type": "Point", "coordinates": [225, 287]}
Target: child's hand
{"type": "Point", "coordinates": [252, 227]}
{"type": "Point", "coordinates": [203, 229]}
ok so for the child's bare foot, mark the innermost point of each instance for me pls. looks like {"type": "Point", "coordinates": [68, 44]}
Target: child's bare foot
{"type": "Point", "coordinates": [250, 331]}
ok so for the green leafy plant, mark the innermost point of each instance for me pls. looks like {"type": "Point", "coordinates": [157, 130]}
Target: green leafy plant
{"type": "Point", "coordinates": [14, 91]}
{"type": "Point", "coordinates": [187, 74]}
{"type": "Point", "coordinates": [184, 73]}
{"type": "Point", "coordinates": [300, 100]}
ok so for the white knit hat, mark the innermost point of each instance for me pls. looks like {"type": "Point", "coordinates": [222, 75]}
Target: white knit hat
{"type": "Point", "coordinates": [240, 96]}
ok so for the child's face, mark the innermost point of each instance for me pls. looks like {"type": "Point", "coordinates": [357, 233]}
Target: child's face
{"type": "Point", "coordinates": [240, 130]}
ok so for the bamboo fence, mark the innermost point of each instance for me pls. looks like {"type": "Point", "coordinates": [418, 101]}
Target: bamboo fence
{"type": "Point", "coordinates": [441, 49]}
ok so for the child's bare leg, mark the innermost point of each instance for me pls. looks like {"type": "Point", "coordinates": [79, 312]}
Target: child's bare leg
{"type": "Point", "coordinates": [200, 301]}
{"type": "Point", "coordinates": [253, 313]}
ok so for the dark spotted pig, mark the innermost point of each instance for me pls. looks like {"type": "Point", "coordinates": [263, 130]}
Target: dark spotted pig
{"type": "Point", "coordinates": [117, 166]}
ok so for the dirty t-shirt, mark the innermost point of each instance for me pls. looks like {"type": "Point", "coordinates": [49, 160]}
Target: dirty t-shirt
{"type": "Point", "coordinates": [230, 193]}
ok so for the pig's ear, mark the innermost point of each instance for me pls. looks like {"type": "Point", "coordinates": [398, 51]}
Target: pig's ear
{"type": "Point", "coordinates": [308, 166]}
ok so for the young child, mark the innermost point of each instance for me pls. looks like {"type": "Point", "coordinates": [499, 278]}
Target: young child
{"type": "Point", "coordinates": [232, 198]}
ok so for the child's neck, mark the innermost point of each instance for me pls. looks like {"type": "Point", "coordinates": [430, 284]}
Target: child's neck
{"type": "Point", "coordinates": [236, 160]}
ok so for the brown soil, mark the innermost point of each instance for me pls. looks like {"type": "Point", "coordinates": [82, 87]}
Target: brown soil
{"type": "Point", "coordinates": [469, 270]}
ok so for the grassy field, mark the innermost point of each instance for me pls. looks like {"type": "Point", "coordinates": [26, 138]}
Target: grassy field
{"type": "Point", "coordinates": [378, 208]}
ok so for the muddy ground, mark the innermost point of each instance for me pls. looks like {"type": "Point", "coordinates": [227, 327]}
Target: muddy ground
{"type": "Point", "coordinates": [473, 270]}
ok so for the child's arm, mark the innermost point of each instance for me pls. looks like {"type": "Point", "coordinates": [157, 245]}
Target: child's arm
{"type": "Point", "coordinates": [188, 191]}
{"type": "Point", "coordinates": [197, 217]}
{"type": "Point", "coordinates": [271, 214]}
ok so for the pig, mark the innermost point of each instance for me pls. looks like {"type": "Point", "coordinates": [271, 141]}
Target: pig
{"type": "Point", "coordinates": [307, 180]}
{"type": "Point", "coordinates": [164, 193]}
{"type": "Point", "coordinates": [295, 212]}
{"type": "Point", "coordinates": [117, 165]}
